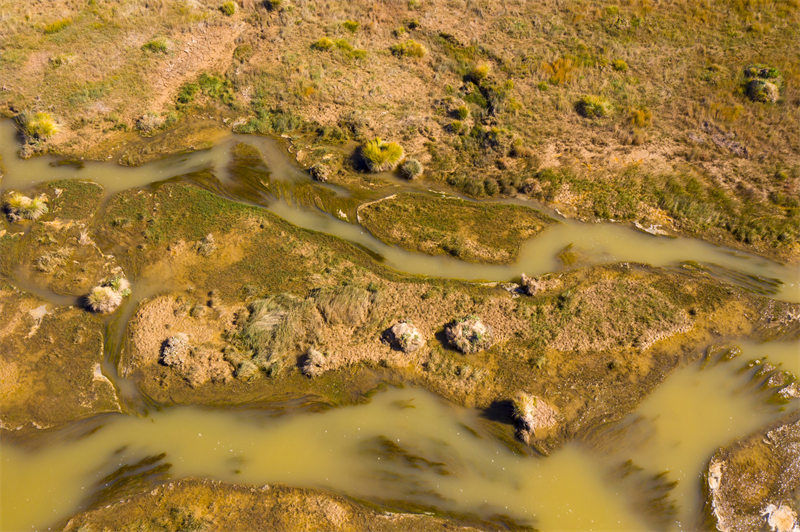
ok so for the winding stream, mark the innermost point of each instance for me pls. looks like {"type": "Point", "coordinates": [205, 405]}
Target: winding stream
{"type": "Point", "coordinates": [597, 243]}
{"type": "Point", "coordinates": [405, 443]}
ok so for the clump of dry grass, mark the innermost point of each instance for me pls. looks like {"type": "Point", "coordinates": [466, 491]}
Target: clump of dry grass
{"type": "Point", "coordinates": [20, 207]}
{"type": "Point", "coordinates": [108, 296]}
{"type": "Point", "coordinates": [275, 328]}
{"type": "Point", "coordinates": [411, 169]}
{"type": "Point", "coordinates": [348, 305]}
{"type": "Point", "coordinates": [409, 48]}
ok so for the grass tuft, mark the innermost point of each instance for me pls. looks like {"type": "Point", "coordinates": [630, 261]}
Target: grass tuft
{"type": "Point", "coordinates": [39, 125]}
{"type": "Point", "coordinates": [158, 45]}
{"type": "Point", "coordinates": [58, 25]}
{"type": "Point", "coordinates": [411, 169]}
{"type": "Point", "coordinates": [409, 48]}
{"type": "Point", "coordinates": [379, 156]}
{"type": "Point", "coordinates": [228, 8]}
{"type": "Point", "coordinates": [322, 44]}
{"type": "Point", "coordinates": [593, 106]}
{"type": "Point", "coordinates": [351, 25]}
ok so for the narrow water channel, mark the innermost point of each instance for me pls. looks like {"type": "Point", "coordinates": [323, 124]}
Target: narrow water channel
{"type": "Point", "coordinates": [597, 243]}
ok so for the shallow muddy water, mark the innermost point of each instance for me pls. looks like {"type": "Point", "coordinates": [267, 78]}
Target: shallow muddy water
{"type": "Point", "coordinates": [405, 444]}
{"type": "Point", "coordinates": [594, 243]}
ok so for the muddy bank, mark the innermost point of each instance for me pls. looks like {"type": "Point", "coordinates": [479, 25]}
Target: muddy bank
{"type": "Point", "coordinates": [207, 505]}
{"type": "Point", "coordinates": [755, 483]}
{"type": "Point", "coordinates": [51, 363]}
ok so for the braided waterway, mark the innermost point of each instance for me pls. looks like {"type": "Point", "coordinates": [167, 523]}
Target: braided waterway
{"type": "Point", "coordinates": [405, 446]}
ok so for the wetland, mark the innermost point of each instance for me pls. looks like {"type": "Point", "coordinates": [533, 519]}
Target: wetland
{"type": "Point", "coordinates": [280, 265]}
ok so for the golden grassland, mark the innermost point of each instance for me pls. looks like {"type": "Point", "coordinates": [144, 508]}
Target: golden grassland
{"type": "Point", "coordinates": [493, 106]}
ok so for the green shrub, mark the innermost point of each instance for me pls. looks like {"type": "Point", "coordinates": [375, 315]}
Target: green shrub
{"type": "Point", "coordinates": [322, 44]}
{"type": "Point", "coordinates": [462, 112]}
{"type": "Point", "coordinates": [411, 169]}
{"type": "Point", "coordinates": [158, 45]}
{"type": "Point", "coordinates": [272, 5]}
{"type": "Point", "coordinates": [228, 8]}
{"type": "Point", "coordinates": [343, 45]}
{"type": "Point", "coordinates": [351, 25]}
{"type": "Point", "coordinates": [619, 65]}
{"type": "Point", "coordinates": [212, 86]}
{"type": "Point", "coordinates": [762, 71]}
{"type": "Point", "coordinates": [38, 125]}
{"type": "Point", "coordinates": [379, 156]}
{"type": "Point", "coordinates": [217, 88]}
{"type": "Point", "coordinates": [58, 25]}
{"type": "Point", "coordinates": [243, 52]}
{"type": "Point", "coordinates": [593, 106]}
{"type": "Point", "coordinates": [409, 48]}
{"type": "Point", "coordinates": [456, 126]}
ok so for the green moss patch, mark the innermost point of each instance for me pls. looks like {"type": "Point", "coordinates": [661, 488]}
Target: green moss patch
{"type": "Point", "coordinates": [474, 232]}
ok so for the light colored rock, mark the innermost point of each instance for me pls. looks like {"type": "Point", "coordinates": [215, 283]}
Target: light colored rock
{"type": "Point", "coordinates": [196, 365]}
{"type": "Point", "coordinates": [404, 337]}
{"type": "Point", "coordinates": [533, 415]}
{"type": "Point", "coordinates": [781, 518]}
{"type": "Point", "coordinates": [175, 350]}
{"type": "Point", "coordinates": [315, 363]}
{"type": "Point", "coordinates": [534, 285]}
{"type": "Point", "coordinates": [469, 335]}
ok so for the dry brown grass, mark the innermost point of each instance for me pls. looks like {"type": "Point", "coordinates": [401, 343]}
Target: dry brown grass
{"type": "Point", "coordinates": [542, 57]}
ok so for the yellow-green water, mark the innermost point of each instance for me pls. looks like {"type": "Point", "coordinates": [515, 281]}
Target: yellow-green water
{"type": "Point", "coordinates": [455, 469]}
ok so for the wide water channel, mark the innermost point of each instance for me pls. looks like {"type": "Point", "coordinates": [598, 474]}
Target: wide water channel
{"type": "Point", "coordinates": [405, 444]}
